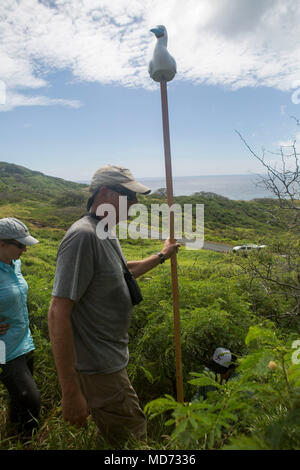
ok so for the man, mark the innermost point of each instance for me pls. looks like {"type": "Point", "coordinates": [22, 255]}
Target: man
{"type": "Point", "coordinates": [90, 311]}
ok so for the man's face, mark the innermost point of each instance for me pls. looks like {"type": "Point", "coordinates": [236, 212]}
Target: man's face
{"type": "Point", "coordinates": [113, 194]}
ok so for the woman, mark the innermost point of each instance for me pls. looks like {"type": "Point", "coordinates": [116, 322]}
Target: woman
{"type": "Point", "coordinates": [15, 338]}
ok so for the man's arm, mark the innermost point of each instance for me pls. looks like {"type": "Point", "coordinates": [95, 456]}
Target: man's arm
{"type": "Point", "coordinates": [74, 405]}
{"type": "Point", "coordinates": [138, 268]}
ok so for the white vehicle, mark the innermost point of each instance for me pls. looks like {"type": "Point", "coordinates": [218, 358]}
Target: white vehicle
{"type": "Point", "coordinates": [245, 248]}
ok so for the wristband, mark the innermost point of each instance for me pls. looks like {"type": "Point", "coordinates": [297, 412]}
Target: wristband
{"type": "Point", "coordinates": [162, 257]}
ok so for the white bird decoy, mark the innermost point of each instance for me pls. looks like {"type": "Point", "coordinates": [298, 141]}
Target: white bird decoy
{"type": "Point", "coordinates": [163, 65]}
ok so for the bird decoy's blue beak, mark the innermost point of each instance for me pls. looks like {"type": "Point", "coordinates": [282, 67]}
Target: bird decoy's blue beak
{"type": "Point", "coordinates": [158, 32]}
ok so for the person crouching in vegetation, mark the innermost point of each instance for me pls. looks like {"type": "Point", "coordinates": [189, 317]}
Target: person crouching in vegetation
{"type": "Point", "coordinates": [219, 368]}
{"type": "Point", "coordinates": [16, 364]}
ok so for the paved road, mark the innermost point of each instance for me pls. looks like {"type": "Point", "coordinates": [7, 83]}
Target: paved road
{"type": "Point", "coordinates": [214, 246]}
{"type": "Point", "coordinates": [217, 247]}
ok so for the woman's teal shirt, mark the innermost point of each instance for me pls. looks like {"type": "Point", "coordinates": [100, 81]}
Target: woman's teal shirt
{"type": "Point", "coordinates": [13, 307]}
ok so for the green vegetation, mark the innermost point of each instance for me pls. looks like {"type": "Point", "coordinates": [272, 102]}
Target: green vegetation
{"type": "Point", "coordinates": [249, 304]}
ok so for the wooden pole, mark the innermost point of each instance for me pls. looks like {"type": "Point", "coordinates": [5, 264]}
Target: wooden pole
{"type": "Point", "coordinates": [169, 181]}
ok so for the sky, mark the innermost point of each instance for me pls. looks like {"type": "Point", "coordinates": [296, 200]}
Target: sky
{"type": "Point", "coordinates": [75, 92]}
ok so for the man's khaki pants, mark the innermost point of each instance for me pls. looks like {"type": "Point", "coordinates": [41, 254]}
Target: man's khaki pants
{"type": "Point", "coordinates": [114, 405]}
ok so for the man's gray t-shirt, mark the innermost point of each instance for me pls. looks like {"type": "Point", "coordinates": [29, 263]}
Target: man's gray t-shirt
{"type": "Point", "coordinates": [89, 271]}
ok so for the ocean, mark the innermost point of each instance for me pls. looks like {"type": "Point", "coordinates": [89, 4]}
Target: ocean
{"type": "Point", "coordinates": [236, 187]}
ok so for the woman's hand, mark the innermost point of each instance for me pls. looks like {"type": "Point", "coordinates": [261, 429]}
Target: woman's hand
{"type": "Point", "coordinates": [3, 326]}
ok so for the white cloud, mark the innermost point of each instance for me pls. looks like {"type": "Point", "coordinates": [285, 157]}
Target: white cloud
{"type": "Point", "coordinates": [14, 100]}
{"type": "Point", "coordinates": [235, 43]}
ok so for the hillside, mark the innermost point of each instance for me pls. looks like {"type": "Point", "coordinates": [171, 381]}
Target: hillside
{"type": "Point", "coordinates": [55, 202]}
{"type": "Point", "coordinates": [39, 200]}
{"type": "Point", "coordinates": [18, 182]}
{"type": "Point", "coordinates": [233, 221]}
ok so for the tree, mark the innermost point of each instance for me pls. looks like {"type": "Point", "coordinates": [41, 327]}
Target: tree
{"type": "Point", "coordinates": [160, 192]}
{"type": "Point", "coordinates": [282, 181]}
{"type": "Point", "coordinates": [275, 271]}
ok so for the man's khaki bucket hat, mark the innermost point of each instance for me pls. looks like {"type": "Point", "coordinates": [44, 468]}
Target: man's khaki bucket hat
{"type": "Point", "coordinates": [112, 175]}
